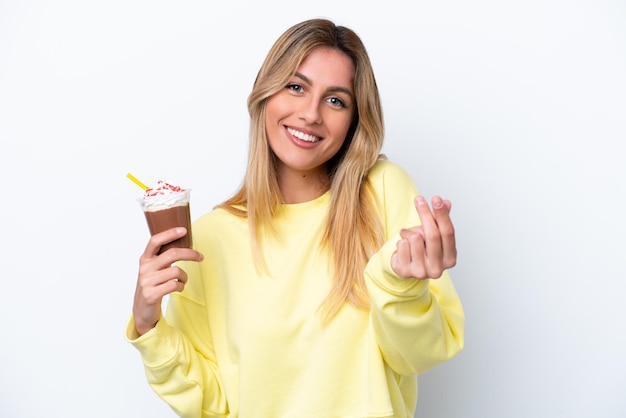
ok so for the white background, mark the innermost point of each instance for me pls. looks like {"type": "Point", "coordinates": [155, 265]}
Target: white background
{"type": "Point", "coordinates": [515, 110]}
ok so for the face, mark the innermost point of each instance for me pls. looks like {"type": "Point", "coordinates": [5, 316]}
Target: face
{"type": "Point", "coordinates": [307, 121]}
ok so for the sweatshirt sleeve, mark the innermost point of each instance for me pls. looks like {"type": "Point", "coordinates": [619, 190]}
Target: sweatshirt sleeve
{"type": "Point", "coordinates": [178, 354]}
{"type": "Point", "coordinates": [418, 324]}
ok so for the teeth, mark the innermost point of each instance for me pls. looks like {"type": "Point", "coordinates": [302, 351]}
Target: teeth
{"type": "Point", "coordinates": [302, 135]}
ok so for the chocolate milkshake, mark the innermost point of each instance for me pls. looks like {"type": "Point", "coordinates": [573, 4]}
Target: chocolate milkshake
{"type": "Point", "coordinates": [167, 206]}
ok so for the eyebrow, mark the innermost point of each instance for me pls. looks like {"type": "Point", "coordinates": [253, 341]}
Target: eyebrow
{"type": "Point", "coordinates": [332, 89]}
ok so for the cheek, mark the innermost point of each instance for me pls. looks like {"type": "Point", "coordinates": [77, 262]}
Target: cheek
{"type": "Point", "coordinates": [342, 128]}
{"type": "Point", "coordinates": [276, 109]}
{"type": "Point", "coordinates": [272, 119]}
{"type": "Point", "coordinates": [269, 112]}
{"type": "Point", "coordinates": [342, 131]}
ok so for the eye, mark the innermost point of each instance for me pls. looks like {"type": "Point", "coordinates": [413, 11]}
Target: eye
{"type": "Point", "coordinates": [296, 88]}
{"type": "Point", "coordinates": [336, 101]}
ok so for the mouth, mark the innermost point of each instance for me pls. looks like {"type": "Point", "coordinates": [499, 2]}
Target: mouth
{"type": "Point", "coordinates": [304, 137]}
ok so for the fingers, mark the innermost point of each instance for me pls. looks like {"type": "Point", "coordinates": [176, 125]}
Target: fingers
{"type": "Point", "coordinates": [157, 271]}
{"type": "Point", "coordinates": [441, 209]}
{"type": "Point", "coordinates": [158, 276]}
{"type": "Point", "coordinates": [410, 257]}
{"type": "Point", "coordinates": [153, 283]}
{"type": "Point", "coordinates": [427, 250]}
{"type": "Point", "coordinates": [432, 236]}
{"type": "Point", "coordinates": [401, 259]}
{"type": "Point", "coordinates": [162, 238]}
{"type": "Point", "coordinates": [171, 255]}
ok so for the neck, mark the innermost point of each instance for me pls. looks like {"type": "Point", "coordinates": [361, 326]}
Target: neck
{"type": "Point", "coordinates": [302, 186]}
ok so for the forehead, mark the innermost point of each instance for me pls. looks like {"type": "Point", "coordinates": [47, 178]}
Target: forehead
{"type": "Point", "coordinates": [328, 67]}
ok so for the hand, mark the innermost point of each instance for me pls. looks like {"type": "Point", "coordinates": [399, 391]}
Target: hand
{"type": "Point", "coordinates": [426, 251]}
{"type": "Point", "coordinates": [158, 277]}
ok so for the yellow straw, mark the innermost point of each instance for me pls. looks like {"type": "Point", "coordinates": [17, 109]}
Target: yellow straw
{"type": "Point", "coordinates": [137, 182]}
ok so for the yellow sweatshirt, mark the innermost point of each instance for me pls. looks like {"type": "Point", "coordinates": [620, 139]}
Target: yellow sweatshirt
{"type": "Point", "coordinates": [236, 344]}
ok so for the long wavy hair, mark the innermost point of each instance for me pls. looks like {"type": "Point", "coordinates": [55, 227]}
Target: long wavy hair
{"type": "Point", "coordinates": [353, 230]}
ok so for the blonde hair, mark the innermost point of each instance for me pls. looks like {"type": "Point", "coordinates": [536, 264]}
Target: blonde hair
{"type": "Point", "coordinates": [353, 230]}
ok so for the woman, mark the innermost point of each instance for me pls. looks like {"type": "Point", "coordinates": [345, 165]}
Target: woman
{"type": "Point", "coordinates": [320, 289]}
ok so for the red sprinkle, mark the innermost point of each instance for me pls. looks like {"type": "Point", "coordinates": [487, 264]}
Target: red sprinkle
{"type": "Point", "coordinates": [163, 188]}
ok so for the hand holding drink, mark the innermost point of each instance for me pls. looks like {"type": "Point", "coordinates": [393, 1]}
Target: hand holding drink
{"type": "Point", "coordinates": [165, 207]}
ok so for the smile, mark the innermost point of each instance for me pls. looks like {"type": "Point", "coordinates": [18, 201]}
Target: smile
{"type": "Point", "coordinates": [303, 136]}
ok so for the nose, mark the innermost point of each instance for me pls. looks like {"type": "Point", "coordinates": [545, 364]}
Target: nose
{"type": "Point", "coordinates": [310, 111]}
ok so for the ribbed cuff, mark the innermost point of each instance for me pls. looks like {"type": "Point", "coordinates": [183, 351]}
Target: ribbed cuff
{"type": "Point", "coordinates": [157, 346]}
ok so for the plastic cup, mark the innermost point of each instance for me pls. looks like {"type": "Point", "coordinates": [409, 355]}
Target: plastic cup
{"type": "Point", "coordinates": [168, 211]}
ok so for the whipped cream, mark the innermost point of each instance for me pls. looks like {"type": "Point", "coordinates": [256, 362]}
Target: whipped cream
{"type": "Point", "coordinates": [164, 195]}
